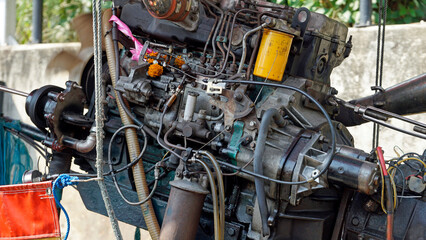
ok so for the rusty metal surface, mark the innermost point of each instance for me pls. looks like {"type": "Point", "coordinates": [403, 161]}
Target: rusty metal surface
{"type": "Point", "coordinates": [183, 212]}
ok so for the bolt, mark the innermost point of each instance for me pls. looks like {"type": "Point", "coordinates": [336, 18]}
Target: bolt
{"type": "Point", "coordinates": [249, 210]}
{"type": "Point", "coordinates": [270, 22]}
{"type": "Point", "coordinates": [203, 87]}
{"type": "Point", "coordinates": [238, 96]}
{"type": "Point", "coordinates": [334, 91]}
{"type": "Point", "coordinates": [252, 124]}
{"type": "Point", "coordinates": [323, 139]}
{"type": "Point", "coordinates": [355, 221]}
{"type": "Point", "coordinates": [194, 84]}
{"type": "Point", "coordinates": [228, 128]}
{"type": "Point", "coordinates": [315, 173]}
{"type": "Point", "coordinates": [75, 85]}
{"type": "Point", "coordinates": [231, 232]}
{"type": "Point", "coordinates": [339, 126]}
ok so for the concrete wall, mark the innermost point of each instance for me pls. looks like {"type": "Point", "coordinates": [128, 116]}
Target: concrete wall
{"type": "Point", "coordinates": [25, 68]}
{"type": "Point", "coordinates": [404, 57]}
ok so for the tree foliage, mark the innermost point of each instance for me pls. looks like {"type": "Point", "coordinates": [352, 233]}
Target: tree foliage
{"type": "Point", "coordinates": [57, 17]}
{"type": "Point", "coordinates": [348, 11]}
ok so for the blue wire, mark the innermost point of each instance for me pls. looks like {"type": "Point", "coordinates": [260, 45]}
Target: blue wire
{"type": "Point", "coordinates": [62, 181]}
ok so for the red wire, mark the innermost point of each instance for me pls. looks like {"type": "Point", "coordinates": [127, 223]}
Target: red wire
{"type": "Point", "coordinates": [382, 161]}
{"type": "Point", "coordinates": [389, 225]}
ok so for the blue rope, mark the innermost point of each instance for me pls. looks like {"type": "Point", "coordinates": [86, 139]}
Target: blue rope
{"type": "Point", "coordinates": [62, 181]}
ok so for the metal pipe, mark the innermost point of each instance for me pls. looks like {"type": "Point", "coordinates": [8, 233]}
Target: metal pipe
{"type": "Point", "coordinates": [13, 91]}
{"type": "Point", "coordinates": [221, 188]}
{"type": "Point", "coordinates": [243, 57]}
{"type": "Point", "coordinates": [229, 42]}
{"type": "Point", "coordinates": [217, 228]}
{"type": "Point", "coordinates": [407, 97]}
{"type": "Point", "coordinates": [211, 31]}
{"type": "Point", "coordinates": [37, 21]}
{"type": "Point", "coordinates": [217, 29]}
{"type": "Point", "coordinates": [229, 38]}
{"type": "Point", "coordinates": [32, 132]}
{"type": "Point", "coordinates": [365, 13]}
{"type": "Point", "coordinates": [83, 146]}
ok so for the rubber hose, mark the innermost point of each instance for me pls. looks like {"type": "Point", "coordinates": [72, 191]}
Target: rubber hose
{"type": "Point", "coordinates": [131, 138]}
{"type": "Point", "coordinates": [258, 163]}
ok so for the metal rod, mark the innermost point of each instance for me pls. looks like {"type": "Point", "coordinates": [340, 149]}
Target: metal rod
{"type": "Point", "coordinates": [365, 13]}
{"type": "Point", "coordinates": [37, 21]}
{"type": "Point", "coordinates": [13, 91]}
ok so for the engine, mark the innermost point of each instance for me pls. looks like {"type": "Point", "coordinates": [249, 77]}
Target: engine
{"type": "Point", "coordinates": [222, 122]}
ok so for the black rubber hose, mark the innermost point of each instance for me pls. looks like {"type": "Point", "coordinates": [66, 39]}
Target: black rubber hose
{"type": "Point", "coordinates": [258, 163]}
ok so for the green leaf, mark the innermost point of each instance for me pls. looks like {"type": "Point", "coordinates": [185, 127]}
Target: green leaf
{"type": "Point", "coordinates": [402, 9]}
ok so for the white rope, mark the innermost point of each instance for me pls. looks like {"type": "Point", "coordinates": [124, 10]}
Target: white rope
{"type": "Point", "coordinates": [99, 114]}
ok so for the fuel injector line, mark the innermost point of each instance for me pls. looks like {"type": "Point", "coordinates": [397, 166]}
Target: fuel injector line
{"type": "Point", "coordinates": [217, 28]}
{"type": "Point", "coordinates": [221, 188]}
{"type": "Point", "coordinates": [229, 44]}
{"type": "Point", "coordinates": [217, 228]}
{"type": "Point", "coordinates": [270, 114]}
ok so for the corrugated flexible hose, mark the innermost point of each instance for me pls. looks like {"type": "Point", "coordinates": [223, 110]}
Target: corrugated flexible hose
{"type": "Point", "coordinates": [131, 137]}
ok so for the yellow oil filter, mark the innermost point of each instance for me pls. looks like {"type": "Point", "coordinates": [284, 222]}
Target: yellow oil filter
{"type": "Point", "coordinates": [273, 54]}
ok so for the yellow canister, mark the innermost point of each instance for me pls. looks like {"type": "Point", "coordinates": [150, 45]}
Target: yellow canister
{"type": "Point", "coordinates": [273, 54]}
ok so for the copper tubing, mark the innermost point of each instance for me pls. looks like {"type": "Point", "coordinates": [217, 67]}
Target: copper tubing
{"type": "Point", "coordinates": [131, 137]}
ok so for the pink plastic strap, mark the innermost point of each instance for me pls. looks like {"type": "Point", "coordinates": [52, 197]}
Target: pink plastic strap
{"type": "Point", "coordinates": [136, 52]}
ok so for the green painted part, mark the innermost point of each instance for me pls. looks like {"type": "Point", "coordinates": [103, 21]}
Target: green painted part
{"type": "Point", "coordinates": [234, 144]}
{"type": "Point", "coordinates": [221, 39]}
{"type": "Point", "coordinates": [137, 234]}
